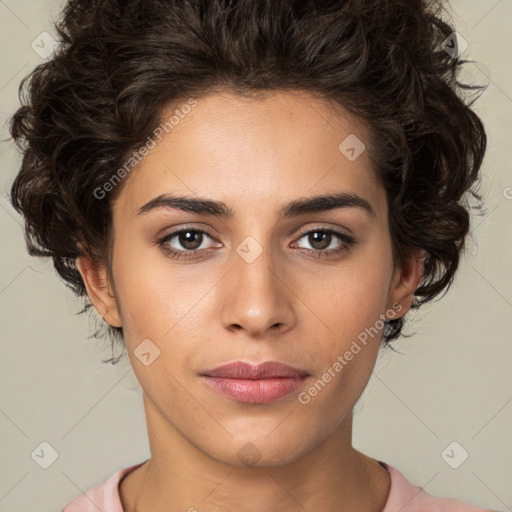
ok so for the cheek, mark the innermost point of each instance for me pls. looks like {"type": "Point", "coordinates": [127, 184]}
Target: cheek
{"type": "Point", "coordinates": [138, 289]}
{"type": "Point", "coordinates": [159, 300]}
{"type": "Point", "coordinates": [350, 302]}
{"type": "Point", "coordinates": [351, 296]}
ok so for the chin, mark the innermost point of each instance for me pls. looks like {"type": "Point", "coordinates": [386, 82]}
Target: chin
{"type": "Point", "coordinates": [257, 452]}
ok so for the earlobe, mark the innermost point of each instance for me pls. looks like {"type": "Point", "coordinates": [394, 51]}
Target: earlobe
{"type": "Point", "coordinates": [405, 281]}
{"type": "Point", "coordinates": [99, 290]}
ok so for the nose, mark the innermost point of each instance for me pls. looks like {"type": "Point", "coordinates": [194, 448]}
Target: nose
{"type": "Point", "coordinates": [258, 296]}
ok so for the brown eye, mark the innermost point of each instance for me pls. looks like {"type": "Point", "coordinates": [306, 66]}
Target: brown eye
{"type": "Point", "coordinates": [184, 243]}
{"type": "Point", "coordinates": [321, 239]}
{"type": "Point", "coordinates": [189, 239]}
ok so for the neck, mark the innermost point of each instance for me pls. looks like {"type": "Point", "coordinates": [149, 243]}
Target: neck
{"type": "Point", "coordinates": [181, 476]}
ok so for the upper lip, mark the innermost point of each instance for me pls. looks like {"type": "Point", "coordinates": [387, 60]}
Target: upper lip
{"type": "Point", "coordinates": [265, 370]}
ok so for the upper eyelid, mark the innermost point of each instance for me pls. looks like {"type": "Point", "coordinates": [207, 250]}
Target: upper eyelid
{"type": "Point", "coordinates": [306, 231]}
{"type": "Point", "coordinates": [337, 231]}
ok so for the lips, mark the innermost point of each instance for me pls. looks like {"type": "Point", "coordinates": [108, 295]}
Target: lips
{"type": "Point", "coordinates": [255, 384]}
{"type": "Point", "coordinates": [266, 370]}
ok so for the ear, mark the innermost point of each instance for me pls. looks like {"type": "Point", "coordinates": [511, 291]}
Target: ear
{"type": "Point", "coordinates": [99, 289]}
{"type": "Point", "coordinates": [405, 281]}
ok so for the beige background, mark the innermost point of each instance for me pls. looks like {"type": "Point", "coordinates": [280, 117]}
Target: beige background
{"type": "Point", "coordinates": [453, 383]}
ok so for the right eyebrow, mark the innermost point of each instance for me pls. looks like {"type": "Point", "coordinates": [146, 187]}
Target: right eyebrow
{"type": "Point", "coordinates": [187, 204]}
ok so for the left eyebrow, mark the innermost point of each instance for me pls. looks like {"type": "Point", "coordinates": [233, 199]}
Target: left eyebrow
{"type": "Point", "coordinates": [324, 203]}
{"type": "Point", "coordinates": [291, 209]}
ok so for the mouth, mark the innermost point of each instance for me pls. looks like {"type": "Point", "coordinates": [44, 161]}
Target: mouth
{"type": "Point", "coordinates": [255, 384]}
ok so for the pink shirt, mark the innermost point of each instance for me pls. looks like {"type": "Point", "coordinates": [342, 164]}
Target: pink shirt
{"type": "Point", "coordinates": [403, 497]}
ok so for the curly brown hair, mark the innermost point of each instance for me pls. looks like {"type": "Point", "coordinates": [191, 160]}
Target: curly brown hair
{"type": "Point", "coordinates": [120, 63]}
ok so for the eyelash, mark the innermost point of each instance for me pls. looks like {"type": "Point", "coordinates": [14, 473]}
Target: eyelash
{"type": "Point", "coordinates": [348, 242]}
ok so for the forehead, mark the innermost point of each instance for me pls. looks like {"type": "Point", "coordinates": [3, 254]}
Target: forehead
{"type": "Point", "coordinates": [255, 151]}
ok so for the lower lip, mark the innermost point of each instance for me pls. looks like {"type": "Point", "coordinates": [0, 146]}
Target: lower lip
{"type": "Point", "coordinates": [252, 391]}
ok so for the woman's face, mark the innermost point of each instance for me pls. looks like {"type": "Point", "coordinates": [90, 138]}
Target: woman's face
{"type": "Point", "coordinates": [265, 283]}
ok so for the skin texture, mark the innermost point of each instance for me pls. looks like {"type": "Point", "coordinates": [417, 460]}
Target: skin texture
{"type": "Point", "coordinates": [255, 155]}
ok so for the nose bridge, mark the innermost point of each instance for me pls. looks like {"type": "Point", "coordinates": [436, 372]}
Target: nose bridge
{"type": "Point", "coordinates": [257, 298]}
{"type": "Point", "coordinates": [255, 265]}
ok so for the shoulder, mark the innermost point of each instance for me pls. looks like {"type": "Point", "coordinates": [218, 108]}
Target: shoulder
{"type": "Point", "coordinates": [405, 497]}
{"type": "Point", "coordinates": [104, 496]}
